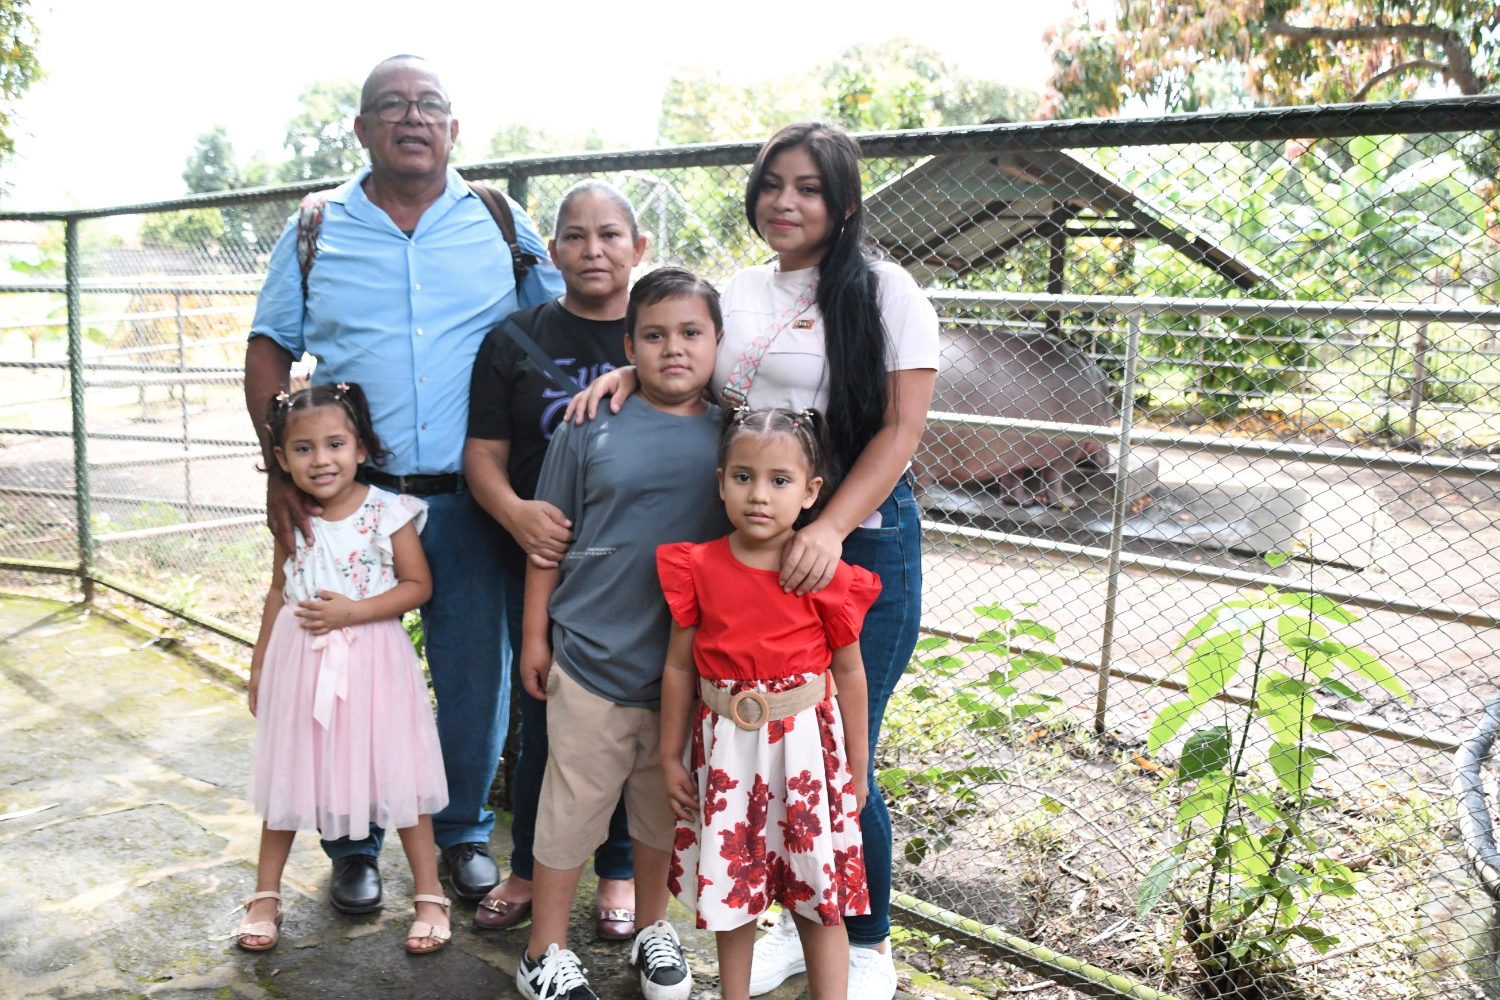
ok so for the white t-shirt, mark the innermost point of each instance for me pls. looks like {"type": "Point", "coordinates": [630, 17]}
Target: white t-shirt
{"type": "Point", "coordinates": [794, 371]}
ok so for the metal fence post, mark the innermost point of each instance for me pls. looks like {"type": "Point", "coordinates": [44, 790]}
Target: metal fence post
{"type": "Point", "coordinates": [187, 462]}
{"type": "Point", "coordinates": [515, 186]}
{"type": "Point", "coordinates": [1418, 377]}
{"type": "Point", "coordinates": [80, 422]}
{"type": "Point", "coordinates": [1120, 503]}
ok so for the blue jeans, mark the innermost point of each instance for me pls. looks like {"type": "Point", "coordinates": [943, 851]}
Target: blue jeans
{"type": "Point", "coordinates": [892, 552]}
{"type": "Point", "coordinates": [468, 656]}
{"type": "Point", "coordinates": [613, 858]}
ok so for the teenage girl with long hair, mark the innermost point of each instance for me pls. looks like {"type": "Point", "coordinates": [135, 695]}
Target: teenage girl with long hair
{"type": "Point", "coordinates": [828, 325]}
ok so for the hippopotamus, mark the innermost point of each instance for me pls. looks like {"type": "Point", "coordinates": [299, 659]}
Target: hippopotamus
{"type": "Point", "coordinates": [1027, 375]}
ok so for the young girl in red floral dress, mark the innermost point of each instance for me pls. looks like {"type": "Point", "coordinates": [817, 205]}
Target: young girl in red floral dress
{"type": "Point", "coordinates": [768, 803]}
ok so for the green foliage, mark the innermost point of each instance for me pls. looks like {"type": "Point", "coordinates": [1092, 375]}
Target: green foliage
{"type": "Point", "coordinates": [19, 67]}
{"type": "Point", "coordinates": [1256, 841]}
{"type": "Point", "coordinates": [893, 84]}
{"type": "Point", "coordinates": [951, 697]}
{"type": "Point", "coordinates": [321, 137]}
{"type": "Point", "coordinates": [1220, 53]}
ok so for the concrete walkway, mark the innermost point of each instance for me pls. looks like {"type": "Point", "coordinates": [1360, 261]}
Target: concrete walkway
{"type": "Point", "coordinates": [126, 846]}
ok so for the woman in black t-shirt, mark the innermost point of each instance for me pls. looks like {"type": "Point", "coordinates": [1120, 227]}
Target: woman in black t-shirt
{"type": "Point", "coordinates": [514, 406]}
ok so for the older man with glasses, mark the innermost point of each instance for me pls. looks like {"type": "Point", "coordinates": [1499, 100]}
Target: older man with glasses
{"type": "Point", "coordinates": [409, 272]}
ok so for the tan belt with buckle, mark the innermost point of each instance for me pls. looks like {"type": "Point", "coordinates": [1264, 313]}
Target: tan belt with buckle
{"type": "Point", "coordinates": [751, 709]}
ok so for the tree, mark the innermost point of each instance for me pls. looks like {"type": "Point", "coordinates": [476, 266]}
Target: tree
{"type": "Point", "coordinates": [19, 68]}
{"type": "Point", "coordinates": [902, 84]}
{"type": "Point", "coordinates": [700, 105]}
{"type": "Point", "coordinates": [1178, 54]}
{"type": "Point", "coordinates": [211, 165]}
{"type": "Point", "coordinates": [321, 138]}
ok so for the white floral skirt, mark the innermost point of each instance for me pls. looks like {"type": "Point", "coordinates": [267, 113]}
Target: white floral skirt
{"type": "Point", "coordinates": [778, 817]}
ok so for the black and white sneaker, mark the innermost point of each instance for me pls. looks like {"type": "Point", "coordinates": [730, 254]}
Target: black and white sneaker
{"type": "Point", "coordinates": [555, 976]}
{"type": "Point", "coordinates": [657, 956]}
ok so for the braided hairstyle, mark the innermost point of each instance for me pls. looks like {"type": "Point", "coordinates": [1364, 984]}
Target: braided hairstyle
{"type": "Point", "coordinates": [348, 396]}
{"type": "Point", "coordinates": [848, 292]}
{"type": "Point", "coordinates": [806, 427]}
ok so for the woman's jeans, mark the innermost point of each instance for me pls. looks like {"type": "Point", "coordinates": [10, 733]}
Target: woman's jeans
{"type": "Point", "coordinates": [613, 858]}
{"type": "Point", "coordinates": [892, 552]}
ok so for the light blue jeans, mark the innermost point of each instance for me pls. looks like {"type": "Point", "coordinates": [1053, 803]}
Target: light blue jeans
{"type": "Point", "coordinates": [892, 552]}
{"type": "Point", "coordinates": [468, 656]}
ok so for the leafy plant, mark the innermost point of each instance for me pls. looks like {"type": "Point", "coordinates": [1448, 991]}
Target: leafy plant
{"type": "Point", "coordinates": [1257, 841]}
{"type": "Point", "coordinates": [943, 798]}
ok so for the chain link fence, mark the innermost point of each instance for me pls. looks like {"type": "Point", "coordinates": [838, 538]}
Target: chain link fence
{"type": "Point", "coordinates": [1210, 499]}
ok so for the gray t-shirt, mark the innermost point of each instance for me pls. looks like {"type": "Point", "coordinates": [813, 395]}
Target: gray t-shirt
{"type": "Point", "coordinates": [629, 481]}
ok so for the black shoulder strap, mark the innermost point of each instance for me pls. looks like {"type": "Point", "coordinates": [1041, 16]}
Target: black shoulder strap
{"type": "Point", "coordinates": [499, 207]}
{"type": "Point", "coordinates": [310, 222]}
{"type": "Point", "coordinates": [535, 353]}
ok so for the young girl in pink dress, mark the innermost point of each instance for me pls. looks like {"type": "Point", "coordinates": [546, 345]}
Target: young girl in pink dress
{"type": "Point", "coordinates": [344, 732]}
{"type": "Point", "coordinates": [768, 804]}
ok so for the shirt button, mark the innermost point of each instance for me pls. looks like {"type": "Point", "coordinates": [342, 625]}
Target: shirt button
{"type": "Point", "coordinates": [422, 378]}
{"type": "Point", "coordinates": [424, 427]}
{"type": "Point", "coordinates": [420, 331]}
{"type": "Point", "coordinates": [417, 287]}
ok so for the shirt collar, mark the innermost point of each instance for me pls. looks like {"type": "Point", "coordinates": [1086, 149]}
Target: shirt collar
{"type": "Point", "coordinates": [351, 194]}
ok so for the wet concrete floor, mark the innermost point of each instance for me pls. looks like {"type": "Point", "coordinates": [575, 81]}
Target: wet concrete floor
{"type": "Point", "coordinates": [126, 846]}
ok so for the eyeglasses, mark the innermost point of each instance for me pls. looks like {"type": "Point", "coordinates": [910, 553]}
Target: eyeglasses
{"type": "Point", "coordinates": [393, 108]}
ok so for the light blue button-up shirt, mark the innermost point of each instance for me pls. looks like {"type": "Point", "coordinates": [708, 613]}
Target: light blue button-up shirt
{"type": "Point", "coordinates": [402, 316]}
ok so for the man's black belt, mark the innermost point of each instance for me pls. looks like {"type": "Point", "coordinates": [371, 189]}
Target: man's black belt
{"type": "Point", "coordinates": [416, 486]}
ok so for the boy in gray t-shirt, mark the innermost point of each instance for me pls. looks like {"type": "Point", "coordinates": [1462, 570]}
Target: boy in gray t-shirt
{"type": "Point", "coordinates": [628, 482]}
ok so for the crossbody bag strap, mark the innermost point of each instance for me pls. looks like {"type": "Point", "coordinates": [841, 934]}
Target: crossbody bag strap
{"type": "Point", "coordinates": [736, 391]}
{"type": "Point", "coordinates": [549, 367]}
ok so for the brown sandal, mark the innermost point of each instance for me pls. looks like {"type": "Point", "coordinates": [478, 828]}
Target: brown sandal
{"type": "Point", "coordinates": [261, 928]}
{"type": "Point", "coordinates": [422, 929]}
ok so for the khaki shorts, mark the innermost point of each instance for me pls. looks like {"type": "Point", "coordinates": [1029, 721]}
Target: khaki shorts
{"type": "Point", "coordinates": [595, 749]}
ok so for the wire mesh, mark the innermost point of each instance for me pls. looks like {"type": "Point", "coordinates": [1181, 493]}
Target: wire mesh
{"type": "Point", "coordinates": [1210, 501]}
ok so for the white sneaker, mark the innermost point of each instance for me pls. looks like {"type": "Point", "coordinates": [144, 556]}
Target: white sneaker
{"type": "Point", "coordinates": [555, 976]}
{"type": "Point", "coordinates": [872, 975]}
{"type": "Point", "coordinates": [777, 956]}
{"type": "Point", "coordinates": [657, 956]}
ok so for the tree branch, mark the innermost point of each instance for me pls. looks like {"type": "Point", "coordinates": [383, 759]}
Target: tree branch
{"type": "Point", "coordinates": [1399, 68]}
{"type": "Point", "coordinates": [1459, 68]}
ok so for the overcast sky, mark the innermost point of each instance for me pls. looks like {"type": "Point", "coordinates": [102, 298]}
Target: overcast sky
{"type": "Point", "coordinates": [131, 84]}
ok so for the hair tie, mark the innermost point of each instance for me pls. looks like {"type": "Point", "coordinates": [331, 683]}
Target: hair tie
{"type": "Point", "coordinates": [741, 412]}
{"type": "Point", "coordinates": [282, 397]}
{"type": "Point", "coordinates": [342, 387]}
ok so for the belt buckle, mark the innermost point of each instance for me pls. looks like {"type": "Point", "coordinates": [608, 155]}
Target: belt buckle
{"type": "Point", "coordinates": [737, 702]}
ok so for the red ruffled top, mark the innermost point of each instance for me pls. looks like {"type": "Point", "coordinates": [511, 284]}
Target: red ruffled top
{"type": "Point", "coordinates": [748, 628]}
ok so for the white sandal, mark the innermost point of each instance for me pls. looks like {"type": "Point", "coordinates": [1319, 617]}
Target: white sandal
{"type": "Point", "coordinates": [261, 928]}
{"type": "Point", "coordinates": [422, 929]}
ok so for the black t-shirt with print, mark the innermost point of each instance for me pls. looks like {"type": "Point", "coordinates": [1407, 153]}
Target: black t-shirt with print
{"type": "Point", "coordinates": [512, 399]}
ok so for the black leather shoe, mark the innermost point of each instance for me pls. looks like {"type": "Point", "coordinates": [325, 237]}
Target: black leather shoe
{"type": "Point", "coordinates": [471, 870]}
{"type": "Point", "coordinates": [355, 886]}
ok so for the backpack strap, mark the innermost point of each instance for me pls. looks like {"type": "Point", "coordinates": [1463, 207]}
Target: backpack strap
{"type": "Point", "coordinates": [310, 224]}
{"type": "Point", "coordinates": [500, 211]}
{"type": "Point", "coordinates": [550, 368]}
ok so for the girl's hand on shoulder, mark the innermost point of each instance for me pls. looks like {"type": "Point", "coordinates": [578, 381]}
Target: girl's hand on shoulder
{"type": "Point", "coordinates": [681, 790]}
{"type": "Point", "coordinates": [542, 531]}
{"type": "Point", "coordinates": [329, 612]}
{"type": "Point", "coordinates": [618, 385]}
{"type": "Point", "coordinates": [810, 558]}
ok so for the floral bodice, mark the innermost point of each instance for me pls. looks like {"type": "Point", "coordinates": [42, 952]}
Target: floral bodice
{"type": "Point", "coordinates": [352, 556]}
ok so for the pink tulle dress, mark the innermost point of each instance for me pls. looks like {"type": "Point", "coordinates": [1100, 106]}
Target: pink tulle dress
{"type": "Point", "coordinates": [344, 731]}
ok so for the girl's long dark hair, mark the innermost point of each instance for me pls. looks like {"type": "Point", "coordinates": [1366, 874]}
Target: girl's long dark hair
{"type": "Point", "coordinates": [848, 291]}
